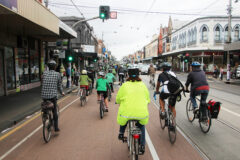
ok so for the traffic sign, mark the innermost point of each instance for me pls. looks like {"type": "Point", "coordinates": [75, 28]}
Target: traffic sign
{"type": "Point", "coordinates": [113, 15]}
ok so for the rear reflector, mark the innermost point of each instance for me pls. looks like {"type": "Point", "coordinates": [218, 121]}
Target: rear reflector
{"type": "Point", "coordinates": [136, 136]}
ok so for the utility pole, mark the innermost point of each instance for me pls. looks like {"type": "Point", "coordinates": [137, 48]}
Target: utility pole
{"type": "Point", "coordinates": [229, 38]}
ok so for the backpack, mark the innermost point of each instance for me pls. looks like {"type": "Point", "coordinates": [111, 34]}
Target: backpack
{"type": "Point", "coordinates": [173, 83]}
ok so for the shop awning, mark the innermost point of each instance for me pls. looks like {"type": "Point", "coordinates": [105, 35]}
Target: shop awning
{"type": "Point", "coordinates": [66, 32]}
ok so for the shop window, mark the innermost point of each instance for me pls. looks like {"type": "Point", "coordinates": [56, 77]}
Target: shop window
{"type": "Point", "coordinates": [23, 66]}
{"type": "Point", "coordinates": [226, 34]}
{"type": "Point", "coordinates": [9, 62]}
{"type": "Point", "coordinates": [195, 35]}
{"type": "Point", "coordinates": [34, 66]}
{"type": "Point", "coordinates": [189, 36]}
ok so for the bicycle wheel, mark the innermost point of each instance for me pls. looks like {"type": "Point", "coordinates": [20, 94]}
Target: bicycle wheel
{"type": "Point", "coordinates": [162, 121]}
{"type": "Point", "coordinates": [133, 153]}
{"type": "Point", "coordinates": [189, 110]}
{"type": "Point", "coordinates": [47, 127]}
{"type": "Point", "coordinates": [109, 96]}
{"type": "Point", "coordinates": [101, 109]}
{"type": "Point", "coordinates": [172, 128]}
{"type": "Point", "coordinates": [205, 124]}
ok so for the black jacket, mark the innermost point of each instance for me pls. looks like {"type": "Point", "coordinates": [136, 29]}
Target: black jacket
{"type": "Point", "coordinates": [197, 79]}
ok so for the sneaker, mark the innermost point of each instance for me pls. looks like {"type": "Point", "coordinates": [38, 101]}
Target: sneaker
{"type": "Point", "coordinates": [142, 149]}
{"type": "Point", "coordinates": [162, 115]}
{"type": "Point", "coordinates": [57, 130]}
{"type": "Point", "coordinates": [120, 136]}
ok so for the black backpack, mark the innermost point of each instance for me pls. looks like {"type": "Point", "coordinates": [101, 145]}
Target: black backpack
{"type": "Point", "coordinates": [173, 84]}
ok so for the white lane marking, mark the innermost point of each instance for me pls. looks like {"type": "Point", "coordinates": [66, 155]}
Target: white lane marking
{"type": "Point", "coordinates": [225, 109]}
{"type": "Point", "coordinates": [187, 138]}
{"type": "Point", "coordinates": [151, 147]}
{"type": "Point", "coordinates": [30, 135]}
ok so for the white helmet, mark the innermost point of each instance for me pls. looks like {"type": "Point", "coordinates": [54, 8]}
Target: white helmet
{"type": "Point", "coordinates": [84, 71]}
{"type": "Point", "coordinates": [101, 74]}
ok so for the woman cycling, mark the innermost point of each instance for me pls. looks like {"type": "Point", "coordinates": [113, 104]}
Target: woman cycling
{"type": "Point", "coordinates": [102, 85]}
{"type": "Point", "coordinates": [133, 97]}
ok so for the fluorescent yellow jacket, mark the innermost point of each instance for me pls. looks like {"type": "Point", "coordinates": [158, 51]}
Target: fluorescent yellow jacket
{"type": "Point", "coordinates": [133, 98]}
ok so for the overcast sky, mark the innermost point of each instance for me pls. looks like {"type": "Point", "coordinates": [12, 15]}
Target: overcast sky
{"type": "Point", "coordinates": [133, 27]}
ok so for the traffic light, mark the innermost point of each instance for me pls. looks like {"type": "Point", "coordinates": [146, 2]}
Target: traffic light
{"type": "Point", "coordinates": [104, 12]}
{"type": "Point", "coordinates": [70, 58]}
{"type": "Point", "coordinates": [186, 59]}
{"type": "Point", "coordinates": [95, 60]}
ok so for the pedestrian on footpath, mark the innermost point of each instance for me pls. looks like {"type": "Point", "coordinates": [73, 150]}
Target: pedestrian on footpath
{"type": "Point", "coordinates": [51, 83]}
{"type": "Point", "coordinates": [68, 74]}
{"type": "Point", "coordinates": [221, 73]}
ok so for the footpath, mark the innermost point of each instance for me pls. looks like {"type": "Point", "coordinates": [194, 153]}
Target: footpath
{"type": "Point", "coordinates": [15, 107]}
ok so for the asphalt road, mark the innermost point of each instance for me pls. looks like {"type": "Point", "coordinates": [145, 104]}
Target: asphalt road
{"type": "Point", "coordinates": [84, 135]}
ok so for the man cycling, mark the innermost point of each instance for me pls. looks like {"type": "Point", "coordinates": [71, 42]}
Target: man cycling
{"type": "Point", "coordinates": [121, 74]}
{"type": "Point", "coordinates": [84, 81]}
{"type": "Point", "coordinates": [102, 86]}
{"type": "Point", "coordinates": [51, 82]}
{"type": "Point", "coordinates": [199, 86]}
{"type": "Point", "coordinates": [133, 97]}
{"type": "Point", "coordinates": [151, 71]}
{"type": "Point", "coordinates": [110, 77]}
{"type": "Point", "coordinates": [164, 94]}
{"type": "Point", "coordinates": [91, 73]}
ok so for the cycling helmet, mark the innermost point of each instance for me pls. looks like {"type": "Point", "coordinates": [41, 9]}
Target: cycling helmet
{"type": "Point", "coordinates": [196, 64]}
{"type": "Point", "coordinates": [166, 66]}
{"type": "Point", "coordinates": [101, 74]}
{"type": "Point", "coordinates": [84, 71]}
{"type": "Point", "coordinates": [52, 64]}
{"type": "Point", "coordinates": [133, 72]}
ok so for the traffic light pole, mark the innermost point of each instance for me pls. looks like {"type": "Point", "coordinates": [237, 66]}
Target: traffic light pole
{"type": "Point", "coordinates": [85, 20]}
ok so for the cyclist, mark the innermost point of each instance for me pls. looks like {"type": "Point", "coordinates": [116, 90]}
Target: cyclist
{"type": "Point", "coordinates": [199, 86]}
{"type": "Point", "coordinates": [110, 77]}
{"type": "Point", "coordinates": [84, 81]}
{"type": "Point", "coordinates": [121, 74]}
{"type": "Point", "coordinates": [164, 94]}
{"type": "Point", "coordinates": [151, 72]}
{"type": "Point", "coordinates": [102, 86]}
{"type": "Point", "coordinates": [51, 82]}
{"type": "Point", "coordinates": [133, 97]}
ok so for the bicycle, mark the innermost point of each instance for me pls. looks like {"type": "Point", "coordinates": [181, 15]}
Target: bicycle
{"type": "Point", "coordinates": [47, 119]}
{"type": "Point", "coordinates": [133, 139]}
{"type": "Point", "coordinates": [102, 106]}
{"type": "Point", "coordinates": [205, 124]}
{"type": "Point", "coordinates": [109, 95]}
{"type": "Point", "coordinates": [169, 119]}
{"type": "Point", "coordinates": [90, 88]}
{"type": "Point", "coordinates": [82, 93]}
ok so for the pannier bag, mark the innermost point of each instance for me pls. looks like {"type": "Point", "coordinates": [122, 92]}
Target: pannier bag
{"type": "Point", "coordinates": [214, 108]}
{"type": "Point", "coordinates": [47, 105]}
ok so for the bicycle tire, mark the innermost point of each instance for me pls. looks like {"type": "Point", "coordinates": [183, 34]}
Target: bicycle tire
{"type": "Point", "coordinates": [189, 111]}
{"type": "Point", "coordinates": [47, 125]}
{"type": "Point", "coordinates": [208, 122]}
{"type": "Point", "coordinates": [133, 150]}
{"type": "Point", "coordinates": [109, 96]}
{"type": "Point", "coordinates": [172, 128]}
{"type": "Point", "coordinates": [162, 121]}
{"type": "Point", "coordinates": [101, 110]}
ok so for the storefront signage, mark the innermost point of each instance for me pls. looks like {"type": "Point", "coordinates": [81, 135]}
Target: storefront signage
{"type": "Point", "coordinates": [12, 4]}
{"type": "Point", "coordinates": [88, 48]}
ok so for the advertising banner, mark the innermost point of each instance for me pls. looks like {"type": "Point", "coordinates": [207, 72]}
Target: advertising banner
{"type": "Point", "coordinates": [11, 4]}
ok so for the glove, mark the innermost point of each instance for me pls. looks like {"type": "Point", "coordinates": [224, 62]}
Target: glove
{"type": "Point", "coordinates": [154, 96]}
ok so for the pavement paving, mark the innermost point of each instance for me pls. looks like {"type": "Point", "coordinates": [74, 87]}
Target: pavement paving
{"type": "Point", "coordinates": [15, 107]}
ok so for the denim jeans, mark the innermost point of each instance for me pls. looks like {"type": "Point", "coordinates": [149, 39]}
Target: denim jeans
{"type": "Point", "coordinates": [142, 128]}
{"type": "Point", "coordinates": [203, 93]}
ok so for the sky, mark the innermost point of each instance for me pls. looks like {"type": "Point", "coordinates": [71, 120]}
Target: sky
{"type": "Point", "coordinates": [138, 20]}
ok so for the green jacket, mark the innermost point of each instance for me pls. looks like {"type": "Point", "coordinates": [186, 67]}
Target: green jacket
{"type": "Point", "coordinates": [102, 84]}
{"type": "Point", "coordinates": [84, 79]}
{"type": "Point", "coordinates": [110, 77]}
{"type": "Point", "coordinates": [133, 98]}
{"type": "Point", "coordinates": [114, 71]}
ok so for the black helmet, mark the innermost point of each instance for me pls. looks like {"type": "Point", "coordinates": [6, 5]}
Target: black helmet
{"type": "Point", "coordinates": [52, 64]}
{"type": "Point", "coordinates": [166, 66]}
{"type": "Point", "coordinates": [133, 72]}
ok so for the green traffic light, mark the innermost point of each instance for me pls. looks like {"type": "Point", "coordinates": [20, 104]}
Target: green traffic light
{"type": "Point", "coordinates": [186, 60]}
{"type": "Point", "coordinates": [102, 15]}
{"type": "Point", "coordinates": [70, 58]}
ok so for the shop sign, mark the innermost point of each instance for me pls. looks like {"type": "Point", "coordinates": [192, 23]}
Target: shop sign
{"type": "Point", "coordinates": [12, 4]}
{"type": "Point", "coordinates": [88, 48]}
{"type": "Point", "coordinates": [61, 54]}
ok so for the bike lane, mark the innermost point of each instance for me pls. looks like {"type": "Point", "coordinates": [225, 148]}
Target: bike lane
{"type": "Point", "coordinates": [84, 135]}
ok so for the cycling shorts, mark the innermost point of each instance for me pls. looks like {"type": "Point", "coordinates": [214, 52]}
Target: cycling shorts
{"type": "Point", "coordinates": [171, 98]}
{"type": "Point", "coordinates": [104, 93]}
